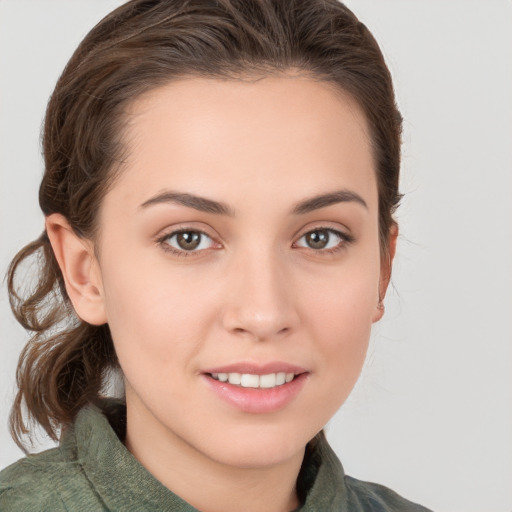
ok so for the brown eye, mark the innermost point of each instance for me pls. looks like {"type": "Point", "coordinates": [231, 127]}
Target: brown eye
{"type": "Point", "coordinates": [187, 241]}
{"type": "Point", "coordinates": [323, 238]}
{"type": "Point", "coordinates": [317, 239]}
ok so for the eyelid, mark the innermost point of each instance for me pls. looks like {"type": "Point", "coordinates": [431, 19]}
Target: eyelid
{"type": "Point", "coordinates": [162, 238]}
{"type": "Point", "coordinates": [346, 238]}
{"type": "Point", "coordinates": [186, 226]}
{"type": "Point", "coordinates": [327, 226]}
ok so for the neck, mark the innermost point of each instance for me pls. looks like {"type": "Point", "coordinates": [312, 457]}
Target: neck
{"type": "Point", "coordinates": [206, 484]}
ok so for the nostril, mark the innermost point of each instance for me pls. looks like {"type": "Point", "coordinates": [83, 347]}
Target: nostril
{"type": "Point", "coordinates": [284, 330]}
{"type": "Point", "coordinates": [261, 321]}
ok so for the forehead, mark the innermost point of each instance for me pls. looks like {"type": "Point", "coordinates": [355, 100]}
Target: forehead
{"type": "Point", "coordinates": [237, 138]}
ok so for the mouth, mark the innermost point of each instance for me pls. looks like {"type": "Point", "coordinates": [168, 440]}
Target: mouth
{"type": "Point", "coordinates": [251, 380]}
{"type": "Point", "coordinates": [253, 388]}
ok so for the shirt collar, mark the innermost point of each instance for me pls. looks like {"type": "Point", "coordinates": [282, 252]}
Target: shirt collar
{"type": "Point", "coordinates": [122, 483]}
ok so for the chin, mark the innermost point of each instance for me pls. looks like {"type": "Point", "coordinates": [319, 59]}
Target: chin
{"type": "Point", "coordinates": [259, 448]}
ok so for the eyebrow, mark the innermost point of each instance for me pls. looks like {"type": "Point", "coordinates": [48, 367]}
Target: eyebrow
{"type": "Point", "coordinates": [191, 201]}
{"type": "Point", "coordinates": [323, 200]}
{"type": "Point", "coordinates": [203, 204]}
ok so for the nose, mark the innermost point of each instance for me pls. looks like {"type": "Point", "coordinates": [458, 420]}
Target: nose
{"type": "Point", "coordinates": [260, 301]}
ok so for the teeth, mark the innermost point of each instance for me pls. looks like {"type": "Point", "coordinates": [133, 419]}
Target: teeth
{"type": "Point", "coordinates": [268, 381]}
{"type": "Point", "coordinates": [281, 378]}
{"type": "Point", "coordinates": [234, 378]}
{"type": "Point", "coordinates": [249, 380]}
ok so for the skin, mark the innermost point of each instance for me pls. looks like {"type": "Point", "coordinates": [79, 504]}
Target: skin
{"type": "Point", "coordinates": [254, 290]}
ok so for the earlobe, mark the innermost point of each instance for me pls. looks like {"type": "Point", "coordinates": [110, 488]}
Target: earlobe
{"type": "Point", "coordinates": [79, 268]}
{"type": "Point", "coordinates": [385, 271]}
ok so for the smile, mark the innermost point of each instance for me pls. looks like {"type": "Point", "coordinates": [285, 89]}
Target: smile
{"type": "Point", "coordinates": [250, 380]}
{"type": "Point", "coordinates": [257, 389]}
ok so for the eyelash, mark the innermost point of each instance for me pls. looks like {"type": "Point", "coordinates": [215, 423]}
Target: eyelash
{"type": "Point", "coordinates": [345, 238]}
{"type": "Point", "coordinates": [162, 241]}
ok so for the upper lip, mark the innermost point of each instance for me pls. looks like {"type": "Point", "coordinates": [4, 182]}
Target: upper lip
{"type": "Point", "coordinates": [257, 368]}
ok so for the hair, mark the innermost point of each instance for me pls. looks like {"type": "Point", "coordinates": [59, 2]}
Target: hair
{"type": "Point", "coordinates": [142, 45]}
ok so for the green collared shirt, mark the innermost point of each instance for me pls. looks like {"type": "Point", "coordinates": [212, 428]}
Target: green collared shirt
{"type": "Point", "coordinates": [91, 470]}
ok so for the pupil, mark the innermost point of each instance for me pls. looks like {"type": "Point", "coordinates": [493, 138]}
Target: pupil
{"type": "Point", "coordinates": [318, 239]}
{"type": "Point", "coordinates": [188, 240]}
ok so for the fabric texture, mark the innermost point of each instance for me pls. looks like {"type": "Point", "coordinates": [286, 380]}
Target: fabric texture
{"type": "Point", "coordinates": [91, 470]}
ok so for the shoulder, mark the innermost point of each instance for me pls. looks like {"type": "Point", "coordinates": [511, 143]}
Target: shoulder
{"type": "Point", "coordinates": [374, 497]}
{"type": "Point", "coordinates": [329, 488]}
{"type": "Point", "coordinates": [50, 481]}
{"type": "Point", "coordinates": [66, 477]}
{"type": "Point", "coordinates": [28, 485]}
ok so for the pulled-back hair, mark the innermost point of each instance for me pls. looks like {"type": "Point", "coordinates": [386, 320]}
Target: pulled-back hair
{"type": "Point", "coordinates": [142, 45]}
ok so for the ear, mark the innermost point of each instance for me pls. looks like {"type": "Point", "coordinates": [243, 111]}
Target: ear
{"type": "Point", "coordinates": [385, 271]}
{"type": "Point", "coordinates": [80, 269]}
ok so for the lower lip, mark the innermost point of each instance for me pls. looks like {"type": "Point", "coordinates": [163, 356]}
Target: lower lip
{"type": "Point", "coordinates": [258, 400]}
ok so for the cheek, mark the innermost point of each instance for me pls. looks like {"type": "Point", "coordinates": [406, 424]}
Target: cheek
{"type": "Point", "coordinates": [342, 299]}
{"type": "Point", "coordinates": [339, 316]}
{"type": "Point", "coordinates": [342, 334]}
{"type": "Point", "coordinates": [155, 318]}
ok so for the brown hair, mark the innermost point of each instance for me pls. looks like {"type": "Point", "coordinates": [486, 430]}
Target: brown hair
{"type": "Point", "coordinates": [141, 45]}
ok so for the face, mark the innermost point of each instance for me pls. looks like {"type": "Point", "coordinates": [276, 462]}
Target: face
{"type": "Point", "coordinates": [239, 262]}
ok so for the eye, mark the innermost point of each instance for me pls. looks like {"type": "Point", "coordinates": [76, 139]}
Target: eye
{"type": "Point", "coordinates": [326, 239]}
{"type": "Point", "coordinates": [186, 241]}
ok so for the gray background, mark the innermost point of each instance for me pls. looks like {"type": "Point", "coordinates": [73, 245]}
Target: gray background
{"type": "Point", "coordinates": [431, 416]}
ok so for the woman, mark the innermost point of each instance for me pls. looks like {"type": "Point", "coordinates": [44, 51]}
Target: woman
{"type": "Point", "coordinates": [219, 188]}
